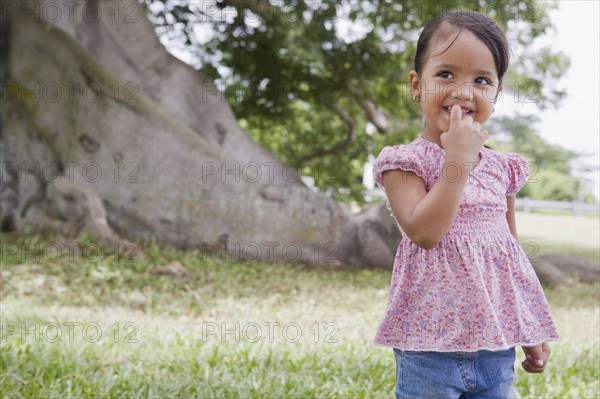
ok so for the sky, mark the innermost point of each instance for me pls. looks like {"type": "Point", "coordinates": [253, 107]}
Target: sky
{"type": "Point", "coordinates": [576, 123]}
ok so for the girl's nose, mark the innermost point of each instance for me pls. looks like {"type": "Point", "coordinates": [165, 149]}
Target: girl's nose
{"type": "Point", "coordinates": [462, 91]}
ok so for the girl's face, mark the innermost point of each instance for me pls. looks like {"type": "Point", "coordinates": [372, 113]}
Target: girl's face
{"type": "Point", "coordinates": [464, 74]}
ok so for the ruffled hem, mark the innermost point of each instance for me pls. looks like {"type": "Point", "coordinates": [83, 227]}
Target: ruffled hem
{"type": "Point", "coordinates": [462, 349]}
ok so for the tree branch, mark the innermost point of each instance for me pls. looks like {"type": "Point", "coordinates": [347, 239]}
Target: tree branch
{"type": "Point", "coordinates": [375, 116]}
{"type": "Point", "coordinates": [350, 138]}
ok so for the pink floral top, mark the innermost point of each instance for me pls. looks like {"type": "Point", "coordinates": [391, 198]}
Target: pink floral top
{"type": "Point", "coordinates": [476, 289]}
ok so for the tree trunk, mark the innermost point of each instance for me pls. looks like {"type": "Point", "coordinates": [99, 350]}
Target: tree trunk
{"type": "Point", "coordinates": [91, 97]}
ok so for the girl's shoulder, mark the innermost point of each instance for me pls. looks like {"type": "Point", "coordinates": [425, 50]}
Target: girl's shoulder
{"type": "Point", "coordinates": [420, 156]}
{"type": "Point", "coordinates": [512, 167]}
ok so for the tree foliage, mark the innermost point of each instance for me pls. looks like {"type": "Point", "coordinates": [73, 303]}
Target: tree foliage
{"type": "Point", "coordinates": [323, 84]}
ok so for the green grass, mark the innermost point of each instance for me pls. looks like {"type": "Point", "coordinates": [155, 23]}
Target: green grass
{"type": "Point", "coordinates": [536, 246]}
{"type": "Point", "coordinates": [544, 234]}
{"type": "Point", "coordinates": [156, 332]}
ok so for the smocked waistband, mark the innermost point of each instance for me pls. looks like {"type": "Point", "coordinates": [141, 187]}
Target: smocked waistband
{"type": "Point", "coordinates": [474, 223]}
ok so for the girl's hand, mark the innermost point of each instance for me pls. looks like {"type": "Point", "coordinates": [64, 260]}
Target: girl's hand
{"type": "Point", "coordinates": [536, 358]}
{"type": "Point", "coordinates": [464, 138]}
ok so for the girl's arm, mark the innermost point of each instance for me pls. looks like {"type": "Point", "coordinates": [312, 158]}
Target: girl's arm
{"type": "Point", "coordinates": [536, 357]}
{"type": "Point", "coordinates": [510, 215]}
{"type": "Point", "coordinates": [425, 216]}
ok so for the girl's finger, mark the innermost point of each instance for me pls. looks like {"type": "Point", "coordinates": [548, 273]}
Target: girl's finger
{"type": "Point", "coordinates": [455, 116]}
{"type": "Point", "coordinates": [531, 368]}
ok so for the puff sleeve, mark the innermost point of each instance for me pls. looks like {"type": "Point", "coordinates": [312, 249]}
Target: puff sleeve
{"type": "Point", "coordinates": [518, 173]}
{"type": "Point", "coordinates": [397, 157]}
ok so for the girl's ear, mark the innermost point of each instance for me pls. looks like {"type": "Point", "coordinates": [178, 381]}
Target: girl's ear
{"type": "Point", "coordinates": [413, 78]}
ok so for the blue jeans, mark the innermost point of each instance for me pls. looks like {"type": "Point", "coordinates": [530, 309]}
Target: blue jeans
{"type": "Point", "coordinates": [455, 375]}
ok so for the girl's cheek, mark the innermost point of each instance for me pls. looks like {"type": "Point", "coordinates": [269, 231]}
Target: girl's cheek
{"type": "Point", "coordinates": [489, 93]}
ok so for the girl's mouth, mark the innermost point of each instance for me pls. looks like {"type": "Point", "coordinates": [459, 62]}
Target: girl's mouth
{"type": "Point", "coordinates": [465, 111]}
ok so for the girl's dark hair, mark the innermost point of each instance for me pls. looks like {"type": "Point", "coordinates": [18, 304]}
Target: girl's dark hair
{"type": "Point", "coordinates": [484, 28]}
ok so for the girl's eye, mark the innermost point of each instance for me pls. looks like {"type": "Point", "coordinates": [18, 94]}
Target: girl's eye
{"type": "Point", "coordinates": [482, 80]}
{"type": "Point", "coordinates": [445, 74]}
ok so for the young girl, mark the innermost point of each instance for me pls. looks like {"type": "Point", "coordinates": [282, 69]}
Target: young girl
{"type": "Point", "coordinates": [463, 293]}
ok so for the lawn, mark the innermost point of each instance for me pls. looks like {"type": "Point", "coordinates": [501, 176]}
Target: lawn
{"type": "Point", "coordinates": [104, 326]}
{"type": "Point", "coordinates": [543, 233]}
